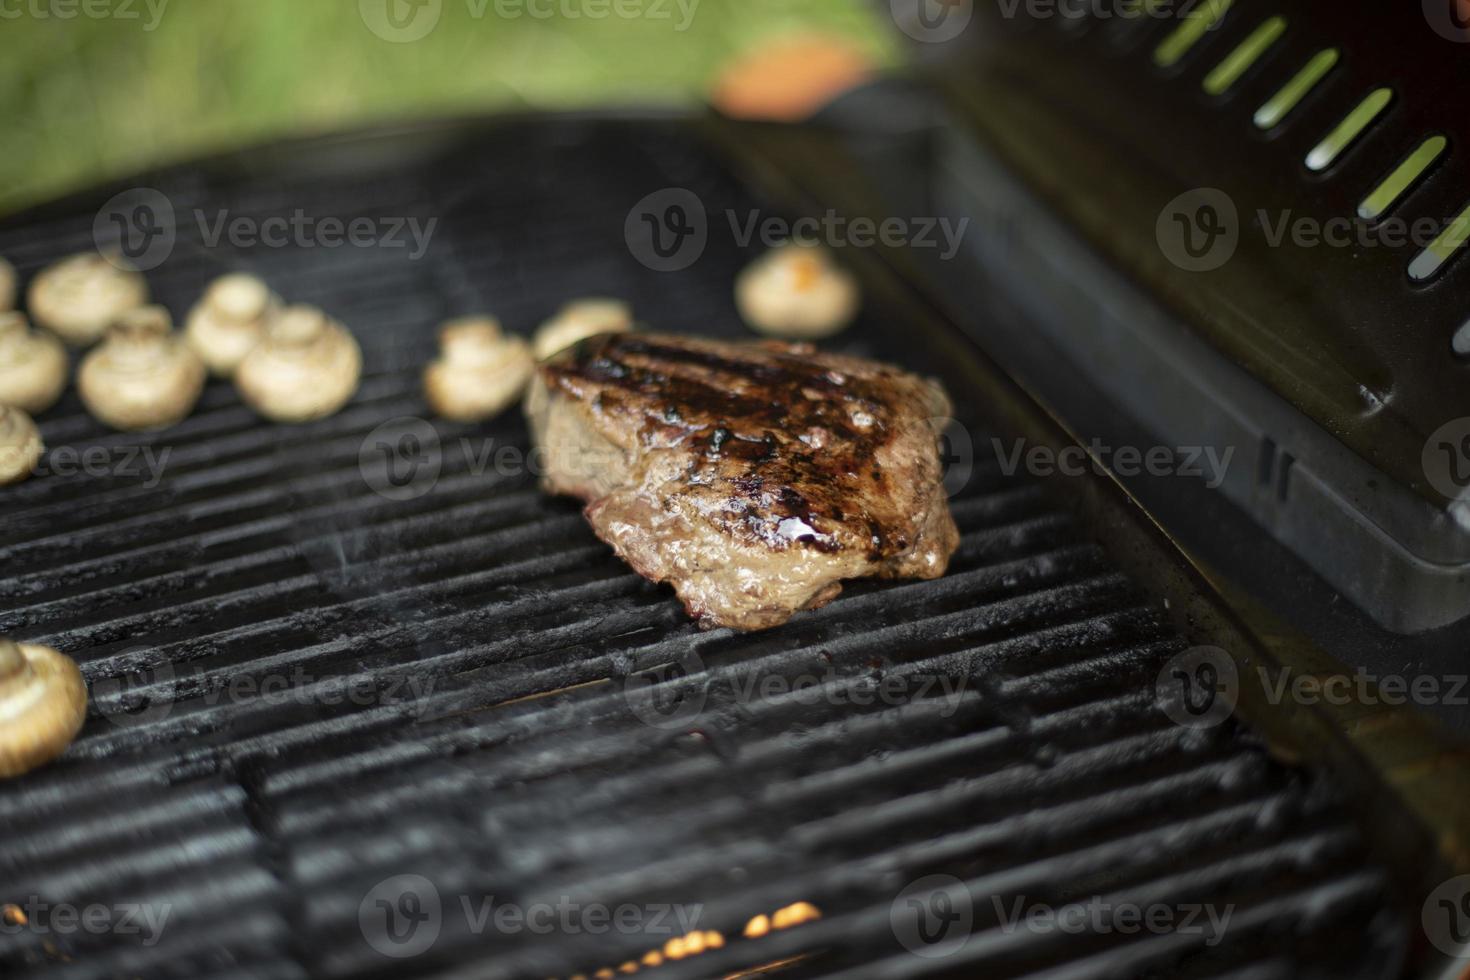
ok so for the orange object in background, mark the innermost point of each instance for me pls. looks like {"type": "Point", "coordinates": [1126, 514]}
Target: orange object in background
{"type": "Point", "coordinates": [789, 79]}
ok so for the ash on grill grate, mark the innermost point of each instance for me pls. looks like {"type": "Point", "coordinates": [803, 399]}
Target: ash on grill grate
{"type": "Point", "coordinates": [347, 726]}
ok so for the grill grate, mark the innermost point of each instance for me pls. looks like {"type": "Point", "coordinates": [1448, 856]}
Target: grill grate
{"type": "Point", "coordinates": [452, 670]}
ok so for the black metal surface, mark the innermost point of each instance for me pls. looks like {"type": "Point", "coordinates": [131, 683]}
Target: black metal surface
{"type": "Point", "coordinates": [1342, 333]}
{"type": "Point", "coordinates": [494, 747]}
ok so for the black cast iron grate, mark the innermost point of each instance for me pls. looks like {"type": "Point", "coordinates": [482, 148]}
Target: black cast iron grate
{"type": "Point", "coordinates": [457, 676]}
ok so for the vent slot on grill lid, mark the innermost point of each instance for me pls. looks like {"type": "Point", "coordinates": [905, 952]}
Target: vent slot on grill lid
{"type": "Point", "coordinates": [1280, 105]}
{"type": "Point", "coordinates": [1347, 132]}
{"type": "Point", "coordinates": [1460, 343]}
{"type": "Point", "coordinates": [1246, 54]}
{"type": "Point", "coordinates": [1191, 30]}
{"type": "Point", "coordinates": [1404, 176]}
{"type": "Point", "coordinates": [1442, 249]}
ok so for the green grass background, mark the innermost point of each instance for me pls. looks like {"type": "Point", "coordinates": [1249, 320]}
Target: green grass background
{"type": "Point", "coordinates": [89, 97]}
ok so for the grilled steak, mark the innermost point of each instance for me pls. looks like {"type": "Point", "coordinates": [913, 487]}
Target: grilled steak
{"type": "Point", "coordinates": [753, 477]}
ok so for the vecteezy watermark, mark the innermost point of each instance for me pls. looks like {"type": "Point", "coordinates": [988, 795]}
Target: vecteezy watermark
{"type": "Point", "coordinates": [1106, 9]}
{"type": "Point", "coordinates": [1201, 686]}
{"type": "Point", "coordinates": [1199, 230]}
{"type": "Point", "coordinates": [139, 229]}
{"type": "Point", "coordinates": [1341, 231]}
{"type": "Point", "coordinates": [1446, 917]}
{"type": "Point", "coordinates": [837, 231]}
{"type": "Point", "coordinates": [97, 462]}
{"type": "Point", "coordinates": [1198, 688]}
{"type": "Point", "coordinates": [136, 227]}
{"type": "Point", "coordinates": [404, 458]}
{"type": "Point", "coordinates": [932, 21]}
{"type": "Point", "coordinates": [678, 13]}
{"type": "Point", "coordinates": [405, 21]}
{"type": "Point", "coordinates": [956, 453]}
{"type": "Point", "coordinates": [1207, 463]}
{"type": "Point", "coordinates": [147, 13]}
{"type": "Point", "coordinates": [1446, 459]}
{"type": "Point", "coordinates": [140, 693]}
{"type": "Point", "coordinates": [1098, 916]}
{"type": "Point", "coordinates": [831, 687]}
{"type": "Point", "coordinates": [38, 917]}
{"type": "Point", "coordinates": [298, 229]}
{"type": "Point", "coordinates": [1365, 687]}
{"type": "Point", "coordinates": [933, 916]}
{"type": "Point", "coordinates": [671, 696]}
{"type": "Point", "coordinates": [147, 692]}
{"type": "Point", "coordinates": [401, 21]}
{"type": "Point", "coordinates": [402, 917]}
{"type": "Point", "coordinates": [937, 21]}
{"type": "Point", "coordinates": [668, 230]}
{"type": "Point", "coordinates": [1449, 18]}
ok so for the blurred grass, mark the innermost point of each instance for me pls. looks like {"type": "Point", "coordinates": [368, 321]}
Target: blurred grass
{"type": "Point", "coordinates": [91, 97]}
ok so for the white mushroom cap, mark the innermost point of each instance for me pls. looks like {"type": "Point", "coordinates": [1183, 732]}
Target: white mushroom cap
{"type": "Point", "coordinates": [797, 292]}
{"type": "Point", "coordinates": [481, 371]}
{"type": "Point", "coordinates": [20, 445]}
{"type": "Point", "coordinates": [229, 321]}
{"type": "Point", "coordinates": [43, 703]}
{"type": "Point", "coordinates": [80, 297]}
{"type": "Point", "coordinates": [239, 296]}
{"type": "Point", "coordinates": [580, 319]}
{"type": "Point", "coordinates": [143, 376]}
{"type": "Point", "coordinates": [7, 285]}
{"type": "Point", "coordinates": [33, 366]}
{"type": "Point", "coordinates": [307, 367]}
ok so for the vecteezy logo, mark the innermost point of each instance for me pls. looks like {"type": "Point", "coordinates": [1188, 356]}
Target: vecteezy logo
{"type": "Point", "coordinates": [125, 699]}
{"type": "Point", "coordinates": [1446, 459]}
{"type": "Point", "coordinates": [663, 697]}
{"type": "Point", "coordinates": [932, 21]}
{"type": "Point", "coordinates": [1449, 18]}
{"type": "Point", "coordinates": [956, 453]}
{"type": "Point", "coordinates": [933, 916]}
{"type": "Point", "coordinates": [401, 459]}
{"type": "Point", "coordinates": [1198, 688]}
{"type": "Point", "coordinates": [400, 21]}
{"type": "Point", "coordinates": [667, 230]}
{"type": "Point", "coordinates": [135, 229]}
{"type": "Point", "coordinates": [1446, 917]}
{"type": "Point", "coordinates": [1199, 230]}
{"type": "Point", "coordinates": [401, 916]}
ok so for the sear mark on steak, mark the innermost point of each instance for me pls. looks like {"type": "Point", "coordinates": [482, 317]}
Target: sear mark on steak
{"type": "Point", "coordinates": [754, 477]}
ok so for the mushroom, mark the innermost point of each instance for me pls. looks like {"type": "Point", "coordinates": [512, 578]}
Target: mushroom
{"type": "Point", "coordinates": [43, 702]}
{"type": "Point", "coordinates": [20, 445]}
{"type": "Point", "coordinates": [143, 376]}
{"type": "Point", "coordinates": [306, 367]}
{"type": "Point", "coordinates": [7, 285]}
{"type": "Point", "coordinates": [33, 366]}
{"type": "Point", "coordinates": [80, 297]}
{"type": "Point", "coordinates": [579, 320]}
{"type": "Point", "coordinates": [797, 292]}
{"type": "Point", "coordinates": [229, 321]}
{"type": "Point", "coordinates": [481, 371]}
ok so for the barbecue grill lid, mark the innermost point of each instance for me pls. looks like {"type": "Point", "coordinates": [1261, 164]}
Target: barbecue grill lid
{"type": "Point", "coordinates": [1336, 117]}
